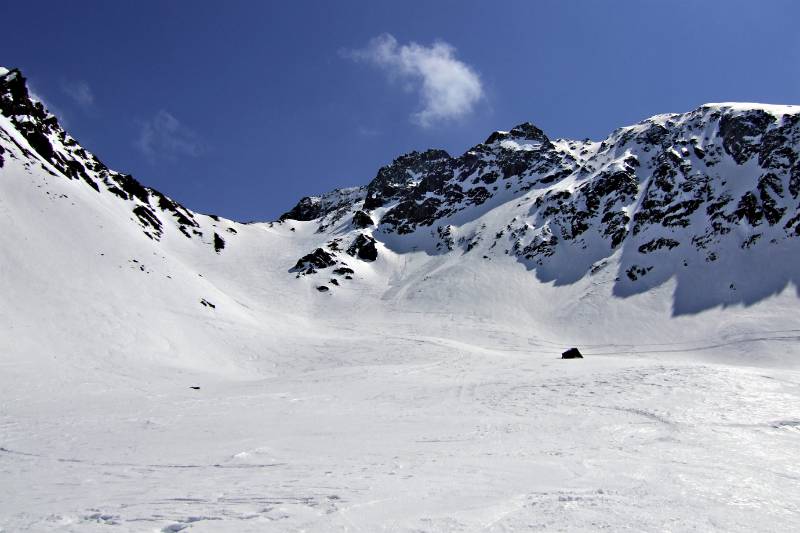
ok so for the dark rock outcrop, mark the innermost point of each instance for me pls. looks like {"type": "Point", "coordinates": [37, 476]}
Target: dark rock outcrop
{"type": "Point", "coordinates": [741, 133]}
{"type": "Point", "coordinates": [403, 175]}
{"type": "Point", "coordinates": [363, 248]}
{"type": "Point", "coordinates": [327, 209]}
{"type": "Point", "coordinates": [219, 243]}
{"type": "Point", "coordinates": [362, 220]}
{"type": "Point", "coordinates": [307, 208]}
{"type": "Point", "coordinates": [343, 271]}
{"type": "Point", "coordinates": [317, 259]}
{"type": "Point", "coordinates": [572, 353]}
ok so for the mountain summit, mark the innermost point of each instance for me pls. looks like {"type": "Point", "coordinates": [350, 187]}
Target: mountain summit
{"type": "Point", "coordinates": [709, 198]}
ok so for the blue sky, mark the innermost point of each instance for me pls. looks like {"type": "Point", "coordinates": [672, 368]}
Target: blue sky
{"type": "Point", "coordinates": [241, 108]}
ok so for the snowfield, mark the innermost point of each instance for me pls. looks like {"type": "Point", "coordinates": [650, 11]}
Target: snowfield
{"type": "Point", "coordinates": [171, 384]}
{"type": "Point", "coordinates": [405, 433]}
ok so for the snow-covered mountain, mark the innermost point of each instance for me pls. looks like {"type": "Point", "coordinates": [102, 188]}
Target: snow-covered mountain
{"type": "Point", "coordinates": [341, 348]}
{"type": "Point", "coordinates": [710, 198]}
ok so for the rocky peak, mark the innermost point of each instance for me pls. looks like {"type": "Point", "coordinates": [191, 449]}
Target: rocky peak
{"type": "Point", "coordinates": [403, 174]}
{"type": "Point", "coordinates": [522, 132]}
{"type": "Point", "coordinates": [671, 191]}
{"type": "Point", "coordinates": [328, 208]}
{"type": "Point", "coordinates": [29, 116]}
{"type": "Point", "coordinates": [14, 98]}
{"type": "Point", "coordinates": [41, 129]}
{"type": "Point", "coordinates": [308, 208]}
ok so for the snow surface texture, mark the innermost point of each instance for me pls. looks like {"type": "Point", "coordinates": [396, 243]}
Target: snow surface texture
{"type": "Point", "coordinates": [425, 392]}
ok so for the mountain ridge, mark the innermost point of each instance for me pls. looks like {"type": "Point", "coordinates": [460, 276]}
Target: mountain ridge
{"type": "Point", "coordinates": [672, 181]}
{"type": "Point", "coordinates": [681, 196]}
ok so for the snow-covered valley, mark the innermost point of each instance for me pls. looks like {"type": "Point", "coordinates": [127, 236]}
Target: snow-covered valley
{"type": "Point", "coordinates": [164, 370]}
{"type": "Point", "coordinates": [409, 434]}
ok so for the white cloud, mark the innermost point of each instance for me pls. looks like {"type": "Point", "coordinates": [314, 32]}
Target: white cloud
{"type": "Point", "coordinates": [447, 87]}
{"type": "Point", "coordinates": [79, 91]}
{"type": "Point", "coordinates": [366, 131]}
{"type": "Point", "coordinates": [163, 136]}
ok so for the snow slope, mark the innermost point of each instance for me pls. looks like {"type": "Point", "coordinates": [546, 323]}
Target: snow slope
{"type": "Point", "coordinates": [423, 394]}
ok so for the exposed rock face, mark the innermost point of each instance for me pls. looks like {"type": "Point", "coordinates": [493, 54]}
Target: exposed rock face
{"type": "Point", "coordinates": [432, 186]}
{"type": "Point", "coordinates": [327, 209]}
{"type": "Point", "coordinates": [397, 179]}
{"type": "Point", "coordinates": [362, 220]}
{"type": "Point", "coordinates": [572, 353]}
{"type": "Point", "coordinates": [307, 208]}
{"type": "Point", "coordinates": [741, 132]}
{"type": "Point", "coordinates": [429, 186]}
{"type": "Point", "coordinates": [318, 259]}
{"type": "Point", "coordinates": [219, 243]}
{"type": "Point", "coordinates": [344, 271]}
{"type": "Point", "coordinates": [364, 248]}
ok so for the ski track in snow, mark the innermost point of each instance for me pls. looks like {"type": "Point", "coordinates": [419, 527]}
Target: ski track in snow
{"type": "Point", "coordinates": [516, 441]}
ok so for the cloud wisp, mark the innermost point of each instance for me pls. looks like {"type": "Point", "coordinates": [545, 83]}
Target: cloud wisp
{"type": "Point", "coordinates": [79, 91]}
{"type": "Point", "coordinates": [164, 137]}
{"type": "Point", "coordinates": [448, 88]}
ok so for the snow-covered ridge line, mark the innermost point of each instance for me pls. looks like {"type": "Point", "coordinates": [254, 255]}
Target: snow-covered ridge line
{"type": "Point", "coordinates": [59, 152]}
{"type": "Point", "coordinates": [675, 196]}
{"type": "Point", "coordinates": [775, 109]}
